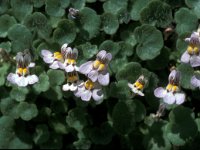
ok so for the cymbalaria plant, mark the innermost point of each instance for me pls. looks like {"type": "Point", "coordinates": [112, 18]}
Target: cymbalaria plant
{"type": "Point", "coordinates": [100, 74]}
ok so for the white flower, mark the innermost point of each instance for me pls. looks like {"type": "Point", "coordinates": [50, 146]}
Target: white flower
{"type": "Point", "coordinates": [87, 90]}
{"type": "Point", "coordinates": [98, 70]}
{"type": "Point", "coordinates": [72, 82]}
{"type": "Point", "coordinates": [54, 58]}
{"type": "Point", "coordinates": [70, 56]}
{"type": "Point", "coordinates": [138, 86]}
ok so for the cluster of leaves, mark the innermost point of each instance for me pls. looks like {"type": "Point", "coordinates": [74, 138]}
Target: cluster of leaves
{"type": "Point", "coordinates": [43, 116]}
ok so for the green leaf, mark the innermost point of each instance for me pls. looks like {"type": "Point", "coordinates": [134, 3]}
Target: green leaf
{"type": "Point", "coordinates": [4, 5]}
{"type": "Point", "coordinates": [156, 13]}
{"type": "Point", "coordinates": [118, 63]}
{"type": "Point", "coordinates": [6, 22]}
{"type": "Point", "coordinates": [123, 118]}
{"type": "Point", "coordinates": [110, 46]}
{"type": "Point", "coordinates": [76, 118]}
{"type": "Point", "coordinates": [78, 4]}
{"type": "Point", "coordinates": [110, 23]}
{"type": "Point", "coordinates": [21, 37]}
{"type": "Point", "coordinates": [43, 84]}
{"type": "Point", "coordinates": [140, 111]}
{"type": "Point", "coordinates": [181, 129]}
{"type": "Point", "coordinates": [54, 93]}
{"type": "Point", "coordinates": [65, 32]}
{"type": "Point", "coordinates": [38, 3]}
{"type": "Point", "coordinates": [150, 42]}
{"type": "Point", "coordinates": [183, 24]}
{"type": "Point", "coordinates": [56, 77]}
{"type": "Point", "coordinates": [4, 70]}
{"type": "Point", "coordinates": [82, 144]}
{"type": "Point", "coordinates": [90, 22]}
{"type": "Point", "coordinates": [41, 134]}
{"type": "Point", "coordinates": [21, 8]}
{"type": "Point", "coordinates": [88, 50]}
{"type": "Point", "coordinates": [19, 93]}
{"type": "Point", "coordinates": [59, 125]}
{"type": "Point", "coordinates": [126, 49]}
{"type": "Point", "coordinates": [27, 111]}
{"type": "Point", "coordinates": [56, 8]}
{"type": "Point", "coordinates": [136, 8]}
{"type": "Point", "coordinates": [156, 139]}
{"type": "Point", "coordinates": [186, 75]}
{"type": "Point", "coordinates": [115, 6]}
{"type": "Point", "coordinates": [54, 142]}
{"type": "Point", "coordinates": [195, 5]}
{"type": "Point", "coordinates": [6, 46]}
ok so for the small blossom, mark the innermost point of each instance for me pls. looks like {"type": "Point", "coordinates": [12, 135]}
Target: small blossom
{"type": "Point", "coordinates": [70, 56]}
{"type": "Point", "coordinates": [195, 81]}
{"type": "Point", "coordinates": [73, 13]}
{"type": "Point", "coordinates": [138, 86]}
{"type": "Point", "coordinates": [98, 70]}
{"type": "Point", "coordinates": [192, 55]}
{"type": "Point", "coordinates": [72, 82]}
{"type": "Point", "coordinates": [87, 90]}
{"type": "Point", "coordinates": [171, 94]}
{"type": "Point", "coordinates": [22, 76]}
{"type": "Point", "coordinates": [54, 58]}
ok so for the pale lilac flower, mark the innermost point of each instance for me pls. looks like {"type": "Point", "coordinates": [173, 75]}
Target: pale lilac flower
{"type": "Point", "coordinates": [138, 86]}
{"type": "Point", "coordinates": [171, 94]}
{"type": "Point", "coordinates": [87, 90]}
{"type": "Point", "coordinates": [72, 82]}
{"type": "Point", "coordinates": [195, 81]}
{"type": "Point", "coordinates": [70, 55]}
{"type": "Point", "coordinates": [98, 70]}
{"type": "Point", "coordinates": [192, 55]}
{"type": "Point", "coordinates": [22, 76]}
{"type": "Point", "coordinates": [54, 58]}
{"type": "Point", "coordinates": [73, 13]}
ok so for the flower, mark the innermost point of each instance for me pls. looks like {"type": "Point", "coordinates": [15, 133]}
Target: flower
{"type": "Point", "coordinates": [138, 86]}
{"type": "Point", "coordinates": [195, 81]}
{"type": "Point", "coordinates": [70, 56]}
{"type": "Point", "coordinates": [73, 13]}
{"type": "Point", "coordinates": [72, 82]}
{"type": "Point", "coordinates": [87, 90]}
{"type": "Point", "coordinates": [192, 55]}
{"type": "Point", "coordinates": [54, 58]}
{"type": "Point", "coordinates": [171, 94]}
{"type": "Point", "coordinates": [22, 76]}
{"type": "Point", "coordinates": [98, 70]}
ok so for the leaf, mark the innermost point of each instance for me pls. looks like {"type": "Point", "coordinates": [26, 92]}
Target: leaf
{"type": "Point", "coordinates": [88, 50]}
{"type": "Point", "coordinates": [6, 22]}
{"type": "Point", "coordinates": [4, 70]}
{"type": "Point", "coordinates": [41, 134]}
{"type": "Point", "coordinates": [156, 13]}
{"type": "Point", "coordinates": [27, 111]}
{"type": "Point", "coordinates": [183, 24]}
{"type": "Point", "coordinates": [6, 46]}
{"type": "Point", "coordinates": [195, 5]}
{"type": "Point", "coordinates": [19, 93]}
{"type": "Point", "coordinates": [65, 32]}
{"type": "Point", "coordinates": [54, 142]}
{"type": "Point", "coordinates": [110, 46]}
{"type": "Point", "coordinates": [56, 8]}
{"type": "Point", "coordinates": [181, 129]}
{"type": "Point", "coordinates": [136, 8]}
{"type": "Point", "coordinates": [78, 4]}
{"type": "Point", "coordinates": [38, 3]}
{"type": "Point", "coordinates": [110, 23]}
{"type": "Point", "coordinates": [123, 118]}
{"type": "Point", "coordinates": [21, 8]}
{"type": "Point", "coordinates": [150, 42]}
{"type": "Point", "coordinates": [90, 22]}
{"type": "Point", "coordinates": [56, 77]}
{"type": "Point", "coordinates": [43, 84]}
{"type": "Point", "coordinates": [4, 5]}
{"type": "Point", "coordinates": [126, 49]}
{"type": "Point", "coordinates": [186, 75]}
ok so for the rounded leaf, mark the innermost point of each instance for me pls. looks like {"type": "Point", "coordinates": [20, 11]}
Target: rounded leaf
{"type": "Point", "coordinates": [43, 85]}
{"type": "Point", "coordinates": [110, 46]}
{"type": "Point", "coordinates": [56, 77]}
{"type": "Point", "coordinates": [195, 5]}
{"type": "Point", "coordinates": [19, 93]}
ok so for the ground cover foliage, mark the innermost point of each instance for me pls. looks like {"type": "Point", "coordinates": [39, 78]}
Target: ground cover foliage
{"type": "Point", "coordinates": [136, 33]}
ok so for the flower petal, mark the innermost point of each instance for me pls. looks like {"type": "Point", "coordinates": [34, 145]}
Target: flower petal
{"type": "Point", "coordinates": [101, 54]}
{"type": "Point", "coordinates": [75, 53]}
{"type": "Point", "coordinates": [32, 79]}
{"type": "Point", "coordinates": [104, 78]}
{"type": "Point", "coordinates": [195, 61]}
{"type": "Point", "coordinates": [48, 59]}
{"type": "Point", "coordinates": [180, 98]}
{"type": "Point", "coordinates": [12, 78]}
{"type": "Point", "coordinates": [73, 87]}
{"type": "Point", "coordinates": [108, 57]}
{"type": "Point", "coordinates": [160, 92]}
{"type": "Point", "coordinates": [86, 95]}
{"type": "Point", "coordinates": [69, 68]}
{"type": "Point", "coordinates": [195, 82]}
{"type": "Point", "coordinates": [54, 65]}
{"type": "Point", "coordinates": [31, 65]}
{"type": "Point", "coordinates": [76, 68]}
{"type": "Point", "coordinates": [22, 81]}
{"type": "Point", "coordinates": [93, 75]}
{"type": "Point", "coordinates": [169, 98]}
{"type": "Point", "coordinates": [130, 85]}
{"type": "Point", "coordinates": [97, 94]}
{"type": "Point", "coordinates": [66, 87]}
{"type": "Point", "coordinates": [185, 58]}
{"type": "Point", "coordinates": [86, 67]}
{"type": "Point", "coordinates": [61, 65]}
{"type": "Point", "coordinates": [46, 53]}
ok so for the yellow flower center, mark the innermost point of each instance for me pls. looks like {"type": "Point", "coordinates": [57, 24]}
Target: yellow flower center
{"type": "Point", "coordinates": [171, 87]}
{"type": "Point", "coordinates": [89, 84]}
{"type": "Point", "coordinates": [58, 56]}
{"type": "Point", "coordinates": [138, 85]}
{"type": "Point", "coordinates": [98, 65]}
{"type": "Point", "coordinates": [71, 61]}
{"type": "Point", "coordinates": [22, 71]}
{"type": "Point", "coordinates": [192, 49]}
